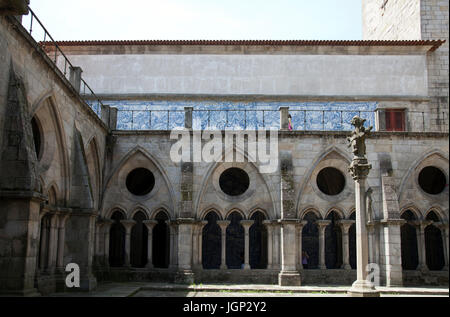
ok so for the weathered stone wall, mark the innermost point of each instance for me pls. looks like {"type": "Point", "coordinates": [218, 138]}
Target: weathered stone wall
{"type": "Point", "coordinates": [416, 20]}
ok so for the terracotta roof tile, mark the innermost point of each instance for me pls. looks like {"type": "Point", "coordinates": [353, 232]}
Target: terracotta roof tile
{"type": "Point", "coordinates": [434, 43]}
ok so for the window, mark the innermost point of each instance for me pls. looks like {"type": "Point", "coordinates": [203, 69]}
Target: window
{"type": "Point", "coordinates": [395, 119]}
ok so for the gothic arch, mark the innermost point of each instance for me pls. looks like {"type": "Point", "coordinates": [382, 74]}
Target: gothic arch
{"type": "Point", "coordinates": [207, 179]}
{"type": "Point", "coordinates": [239, 211]}
{"type": "Point", "coordinates": [94, 168]}
{"type": "Point", "coordinates": [54, 139]}
{"type": "Point", "coordinates": [307, 210]}
{"type": "Point", "coordinates": [156, 165]}
{"type": "Point", "coordinates": [157, 210]}
{"type": "Point", "coordinates": [139, 208]}
{"type": "Point", "coordinates": [336, 210]}
{"type": "Point", "coordinates": [211, 208]}
{"type": "Point", "coordinates": [413, 209]}
{"type": "Point", "coordinates": [416, 163]}
{"type": "Point", "coordinates": [328, 152]}
{"type": "Point", "coordinates": [257, 209]}
{"type": "Point", "coordinates": [437, 211]}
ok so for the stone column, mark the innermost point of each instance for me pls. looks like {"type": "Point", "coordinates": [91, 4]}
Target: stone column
{"type": "Point", "coordinates": [98, 230]}
{"type": "Point", "coordinates": [53, 244]}
{"type": "Point", "coordinates": [198, 263]}
{"type": "Point", "coordinates": [128, 224]}
{"type": "Point", "coordinates": [173, 257]}
{"type": "Point", "coordinates": [420, 232]}
{"type": "Point", "coordinates": [43, 245]}
{"type": "Point", "coordinates": [185, 251]}
{"type": "Point", "coordinates": [61, 240]}
{"type": "Point", "coordinates": [269, 228]}
{"type": "Point", "coordinates": [359, 169]}
{"type": "Point", "coordinates": [247, 224]}
{"type": "Point", "coordinates": [322, 224]}
{"type": "Point", "coordinates": [300, 226]}
{"type": "Point", "coordinates": [223, 224]}
{"type": "Point", "coordinates": [345, 226]}
{"type": "Point", "coordinates": [150, 224]}
{"type": "Point", "coordinates": [444, 233]}
{"type": "Point", "coordinates": [289, 276]}
{"type": "Point", "coordinates": [284, 121]}
{"type": "Point", "coordinates": [371, 233]}
{"type": "Point", "coordinates": [107, 223]}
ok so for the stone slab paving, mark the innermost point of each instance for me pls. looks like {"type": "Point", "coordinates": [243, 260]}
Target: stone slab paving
{"type": "Point", "coordinates": [142, 289]}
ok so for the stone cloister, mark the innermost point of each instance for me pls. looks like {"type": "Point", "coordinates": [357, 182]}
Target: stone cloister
{"type": "Point", "coordinates": [88, 178]}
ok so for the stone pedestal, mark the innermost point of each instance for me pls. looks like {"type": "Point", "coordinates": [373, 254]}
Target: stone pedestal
{"type": "Point", "coordinates": [18, 259]}
{"type": "Point", "coordinates": [289, 276]}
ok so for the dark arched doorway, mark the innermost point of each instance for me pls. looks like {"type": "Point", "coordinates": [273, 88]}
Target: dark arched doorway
{"type": "Point", "coordinates": [161, 241]}
{"type": "Point", "coordinates": [408, 235]}
{"type": "Point", "coordinates": [211, 242]}
{"type": "Point", "coordinates": [433, 244]}
{"type": "Point", "coordinates": [117, 241]}
{"type": "Point", "coordinates": [258, 242]}
{"type": "Point", "coordinates": [139, 241]}
{"type": "Point", "coordinates": [310, 240]}
{"type": "Point", "coordinates": [235, 242]}
{"type": "Point", "coordinates": [333, 242]}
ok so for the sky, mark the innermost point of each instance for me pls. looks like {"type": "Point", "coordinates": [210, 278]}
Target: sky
{"type": "Point", "coordinates": [199, 19]}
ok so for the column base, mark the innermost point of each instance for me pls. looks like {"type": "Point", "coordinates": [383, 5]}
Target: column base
{"type": "Point", "coordinates": [289, 278]}
{"type": "Point", "coordinates": [363, 289]}
{"type": "Point", "coordinates": [184, 277]}
{"type": "Point", "coordinates": [346, 267]}
{"type": "Point", "coordinates": [246, 267]}
{"type": "Point", "coordinates": [223, 267]}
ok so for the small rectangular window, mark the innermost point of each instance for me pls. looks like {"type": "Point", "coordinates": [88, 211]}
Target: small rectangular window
{"type": "Point", "coordinates": [395, 119]}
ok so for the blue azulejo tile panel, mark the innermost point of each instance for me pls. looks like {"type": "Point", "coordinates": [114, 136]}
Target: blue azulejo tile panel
{"type": "Point", "coordinates": [163, 115]}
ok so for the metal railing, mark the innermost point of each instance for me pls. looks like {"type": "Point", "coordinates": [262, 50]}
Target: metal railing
{"type": "Point", "coordinates": [40, 34]}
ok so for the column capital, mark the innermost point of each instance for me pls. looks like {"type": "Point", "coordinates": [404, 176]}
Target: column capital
{"type": "Point", "coordinates": [150, 223]}
{"type": "Point", "coordinates": [247, 223]}
{"type": "Point", "coordinates": [421, 224]}
{"type": "Point", "coordinates": [223, 224]}
{"type": "Point", "coordinates": [345, 224]}
{"type": "Point", "coordinates": [128, 224]}
{"type": "Point", "coordinates": [441, 225]}
{"type": "Point", "coordinates": [107, 223]}
{"type": "Point", "coordinates": [323, 223]}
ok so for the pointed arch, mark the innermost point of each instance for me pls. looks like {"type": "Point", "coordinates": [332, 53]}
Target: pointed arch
{"type": "Point", "coordinates": [217, 163]}
{"type": "Point", "coordinates": [211, 208]}
{"type": "Point", "coordinates": [319, 158]}
{"type": "Point", "coordinates": [309, 209]}
{"type": "Point", "coordinates": [416, 163]}
{"type": "Point", "coordinates": [411, 207]}
{"type": "Point", "coordinates": [94, 167]}
{"type": "Point", "coordinates": [337, 211]}
{"type": "Point", "coordinates": [234, 209]}
{"type": "Point", "coordinates": [140, 150]}
{"type": "Point", "coordinates": [48, 99]}
{"type": "Point", "coordinates": [139, 208]}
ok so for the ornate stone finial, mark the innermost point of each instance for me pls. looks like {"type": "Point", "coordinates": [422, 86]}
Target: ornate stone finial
{"type": "Point", "coordinates": [359, 168]}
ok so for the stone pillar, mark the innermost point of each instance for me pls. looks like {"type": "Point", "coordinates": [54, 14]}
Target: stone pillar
{"type": "Point", "coordinates": [371, 240]}
{"type": "Point", "coordinates": [188, 117]}
{"type": "Point", "coordinates": [75, 77]}
{"type": "Point", "coordinates": [284, 120]}
{"type": "Point", "coordinates": [300, 226]}
{"type": "Point", "coordinates": [269, 228]}
{"type": "Point", "coordinates": [53, 244]}
{"type": "Point", "coordinates": [128, 224]}
{"type": "Point", "coordinates": [112, 118]}
{"type": "Point", "coordinates": [150, 224]}
{"type": "Point", "coordinates": [98, 232]}
{"type": "Point", "coordinates": [61, 240]}
{"type": "Point", "coordinates": [247, 224]}
{"type": "Point", "coordinates": [359, 169]}
{"type": "Point", "coordinates": [321, 225]}
{"type": "Point", "coordinates": [43, 244]}
{"type": "Point", "coordinates": [173, 262]}
{"type": "Point", "coordinates": [345, 226]}
{"type": "Point", "coordinates": [198, 254]}
{"type": "Point", "coordinates": [289, 275]}
{"type": "Point", "coordinates": [185, 254]}
{"type": "Point", "coordinates": [444, 233]}
{"type": "Point", "coordinates": [421, 244]}
{"type": "Point", "coordinates": [276, 251]}
{"type": "Point", "coordinates": [223, 224]}
{"type": "Point", "coordinates": [107, 223]}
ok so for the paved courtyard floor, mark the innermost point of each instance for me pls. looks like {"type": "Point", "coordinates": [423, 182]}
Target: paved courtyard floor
{"type": "Point", "coordinates": [140, 289]}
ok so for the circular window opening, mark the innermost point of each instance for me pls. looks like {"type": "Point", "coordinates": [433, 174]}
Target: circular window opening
{"type": "Point", "coordinates": [432, 180]}
{"type": "Point", "coordinates": [331, 181]}
{"type": "Point", "coordinates": [140, 181]}
{"type": "Point", "coordinates": [36, 137]}
{"type": "Point", "coordinates": [234, 181]}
